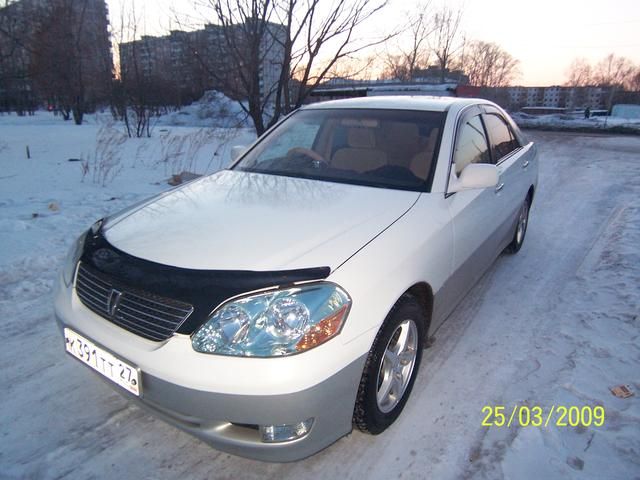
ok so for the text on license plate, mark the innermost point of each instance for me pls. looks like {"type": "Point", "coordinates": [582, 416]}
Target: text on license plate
{"type": "Point", "coordinates": [103, 362]}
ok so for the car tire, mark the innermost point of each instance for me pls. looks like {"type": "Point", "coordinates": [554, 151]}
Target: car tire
{"type": "Point", "coordinates": [521, 227]}
{"type": "Point", "coordinates": [391, 367]}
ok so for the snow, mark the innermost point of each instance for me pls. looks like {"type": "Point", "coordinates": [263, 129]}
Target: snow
{"type": "Point", "coordinates": [576, 121]}
{"type": "Point", "coordinates": [626, 111]}
{"type": "Point", "coordinates": [213, 110]}
{"type": "Point", "coordinates": [48, 199]}
{"type": "Point", "coordinates": [557, 324]}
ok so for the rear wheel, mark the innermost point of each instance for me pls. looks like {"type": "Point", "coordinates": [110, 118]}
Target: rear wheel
{"type": "Point", "coordinates": [391, 367]}
{"type": "Point", "coordinates": [521, 227]}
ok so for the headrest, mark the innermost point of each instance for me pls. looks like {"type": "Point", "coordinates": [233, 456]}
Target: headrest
{"type": "Point", "coordinates": [403, 132]}
{"type": "Point", "coordinates": [361, 137]}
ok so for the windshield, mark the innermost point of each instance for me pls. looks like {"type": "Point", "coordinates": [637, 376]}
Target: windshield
{"type": "Point", "coordinates": [381, 148]}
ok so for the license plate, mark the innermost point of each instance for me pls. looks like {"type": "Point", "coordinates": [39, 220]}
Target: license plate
{"type": "Point", "coordinates": [116, 370]}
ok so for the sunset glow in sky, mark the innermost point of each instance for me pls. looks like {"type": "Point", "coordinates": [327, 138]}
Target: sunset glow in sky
{"type": "Point", "coordinates": [545, 35]}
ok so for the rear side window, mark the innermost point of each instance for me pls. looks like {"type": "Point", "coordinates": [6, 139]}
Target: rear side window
{"type": "Point", "coordinates": [503, 141]}
{"type": "Point", "coordinates": [471, 144]}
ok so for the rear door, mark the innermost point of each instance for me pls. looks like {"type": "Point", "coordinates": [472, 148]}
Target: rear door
{"type": "Point", "coordinates": [511, 160]}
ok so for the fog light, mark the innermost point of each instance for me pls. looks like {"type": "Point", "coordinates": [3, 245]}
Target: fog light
{"type": "Point", "coordinates": [284, 433]}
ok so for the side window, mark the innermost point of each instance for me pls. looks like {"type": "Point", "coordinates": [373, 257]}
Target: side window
{"type": "Point", "coordinates": [471, 145]}
{"type": "Point", "coordinates": [502, 140]}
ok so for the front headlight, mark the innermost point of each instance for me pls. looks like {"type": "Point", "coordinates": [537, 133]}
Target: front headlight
{"type": "Point", "coordinates": [275, 323]}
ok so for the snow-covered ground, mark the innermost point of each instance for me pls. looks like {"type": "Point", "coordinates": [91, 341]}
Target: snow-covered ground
{"type": "Point", "coordinates": [76, 174]}
{"type": "Point", "coordinates": [576, 121]}
{"type": "Point", "coordinates": [557, 324]}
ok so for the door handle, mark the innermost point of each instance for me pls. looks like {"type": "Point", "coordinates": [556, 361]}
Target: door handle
{"type": "Point", "coordinates": [499, 187]}
{"type": "Point", "coordinates": [525, 164]}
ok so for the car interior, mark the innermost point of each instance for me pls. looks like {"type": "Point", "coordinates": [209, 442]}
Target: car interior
{"type": "Point", "coordinates": [367, 148]}
{"type": "Point", "coordinates": [379, 149]}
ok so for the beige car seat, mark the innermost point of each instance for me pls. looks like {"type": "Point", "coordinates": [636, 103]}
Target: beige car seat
{"type": "Point", "coordinates": [401, 141]}
{"type": "Point", "coordinates": [361, 154]}
{"type": "Point", "coordinates": [421, 162]}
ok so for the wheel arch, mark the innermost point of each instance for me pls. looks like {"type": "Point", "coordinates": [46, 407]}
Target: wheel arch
{"type": "Point", "coordinates": [368, 417]}
{"type": "Point", "coordinates": [423, 292]}
{"type": "Point", "coordinates": [530, 194]}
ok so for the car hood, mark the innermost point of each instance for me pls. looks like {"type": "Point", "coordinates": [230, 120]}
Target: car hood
{"type": "Point", "coordinates": [236, 220]}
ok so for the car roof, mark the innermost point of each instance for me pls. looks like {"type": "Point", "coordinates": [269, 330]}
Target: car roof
{"type": "Point", "coordinates": [398, 102]}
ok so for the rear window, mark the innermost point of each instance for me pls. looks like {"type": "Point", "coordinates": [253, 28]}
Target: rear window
{"type": "Point", "coordinates": [382, 148]}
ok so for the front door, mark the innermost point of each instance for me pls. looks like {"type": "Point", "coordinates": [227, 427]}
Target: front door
{"type": "Point", "coordinates": [476, 214]}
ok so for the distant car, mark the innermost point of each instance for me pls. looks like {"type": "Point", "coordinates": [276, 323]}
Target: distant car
{"type": "Point", "coordinates": [271, 306]}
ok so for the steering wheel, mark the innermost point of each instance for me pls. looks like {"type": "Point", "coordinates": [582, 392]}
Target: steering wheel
{"type": "Point", "coordinates": [307, 153]}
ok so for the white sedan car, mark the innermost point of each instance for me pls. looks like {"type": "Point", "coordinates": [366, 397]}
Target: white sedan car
{"type": "Point", "coordinates": [272, 306]}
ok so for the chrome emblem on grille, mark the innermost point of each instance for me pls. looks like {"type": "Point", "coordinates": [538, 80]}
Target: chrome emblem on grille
{"type": "Point", "coordinates": [114, 301]}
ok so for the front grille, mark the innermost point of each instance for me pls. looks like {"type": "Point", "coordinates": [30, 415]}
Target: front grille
{"type": "Point", "coordinates": [145, 314]}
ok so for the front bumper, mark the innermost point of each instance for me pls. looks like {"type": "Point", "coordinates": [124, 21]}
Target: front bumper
{"type": "Point", "coordinates": [227, 420]}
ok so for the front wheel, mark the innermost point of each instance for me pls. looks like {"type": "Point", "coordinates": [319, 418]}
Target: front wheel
{"type": "Point", "coordinates": [391, 367]}
{"type": "Point", "coordinates": [521, 227]}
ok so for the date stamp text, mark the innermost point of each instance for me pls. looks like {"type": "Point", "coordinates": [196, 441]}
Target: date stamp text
{"type": "Point", "coordinates": [536, 416]}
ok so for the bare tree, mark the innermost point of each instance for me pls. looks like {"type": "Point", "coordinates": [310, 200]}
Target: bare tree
{"type": "Point", "coordinates": [488, 65]}
{"type": "Point", "coordinates": [57, 65]}
{"type": "Point", "coordinates": [293, 39]}
{"type": "Point", "coordinates": [147, 85]}
{"type": "Point", "coordinates": [316, 55]}
{"type": "Point", "coordinates": [634, 81]}
{"type": "Point", "coordinates": [446, 40]}
{"type": "Point", "coordinates": [16, 29]}
{"type": "Point", "coordinates": [580, 73]}
{"type": "Point", "coordinates": [395, 68]}
{"type": "Point", "coordinates": [412, 50]}
{"type": "Point", "coordinates": [247, 42]}
{"type": "Point", "coordinates": [613, 71]}
{"type": "Point", "coordinates": [71, 61]}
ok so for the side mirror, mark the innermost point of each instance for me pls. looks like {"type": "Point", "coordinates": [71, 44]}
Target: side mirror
{"type": "Point", "coordinates": [474, 176]}
{"type": "Point", "coordinates": [237, 151]}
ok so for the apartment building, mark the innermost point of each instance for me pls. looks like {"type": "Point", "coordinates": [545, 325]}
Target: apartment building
{"type": "Point", "coordinates": [33, 29]}
{"type": "Point", "coordinates": [189, 63]}
{"type": "Point", "coordinates": [576, 97]}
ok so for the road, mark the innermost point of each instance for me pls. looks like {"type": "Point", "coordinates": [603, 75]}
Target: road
{"type": "Point", "coordinates": [555, 324]}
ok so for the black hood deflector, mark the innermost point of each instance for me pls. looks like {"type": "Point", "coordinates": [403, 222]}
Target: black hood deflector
{"type": "Point", "coordinates": [204, 289]}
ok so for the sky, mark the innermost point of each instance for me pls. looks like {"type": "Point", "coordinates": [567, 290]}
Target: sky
{"type": "Point", "coordinates": [544, 35]}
